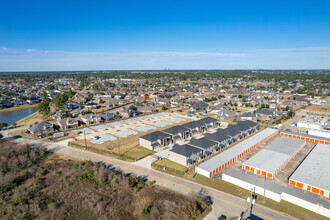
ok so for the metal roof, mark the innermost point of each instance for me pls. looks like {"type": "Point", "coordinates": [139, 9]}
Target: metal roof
{"type": "Point", "coordinates": [234, 151]}
{"type": "Point", "coordinates": [274, 155]}
{"type": "Point", "coordinates": [275, 187]}
{"type": "Point", "coordinates": [306, 135]}
{"type": "Point", "coordinates": [315, 169]}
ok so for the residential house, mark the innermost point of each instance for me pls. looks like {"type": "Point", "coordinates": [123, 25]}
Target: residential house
{"type": "Point", "coordinates": [105, 117]}
{"type": "Point", "coordinates": [248, 116]}
{"type": "Point", "coordinates": [222, 139]}
{"type": "Point", "coordinates": [210, 122]}
{"type": "Point", "coordinates": [208, 146]}
{"type": "Point", "coordinates": [128, 113]}
{"type": "Point", "coordinates": [178, 132]}
{"type": "Point", "coordinates": [185, 155]}
{"type": "Point", "coordinates": [42, 129]}
{"type": "Point", "coordinates": [68, 123]}
{"type": "Point", "coordinates": [155, 140]}
{"type": "Point", "coordinates": [195, 127]}
{"type": "Point", "coordinates": [225, 113]}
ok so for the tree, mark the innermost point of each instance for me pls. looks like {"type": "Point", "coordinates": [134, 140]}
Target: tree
{"type": "Point", "coordinates": [3, 125]}
{"type": "Point", "coordinates": [44, 95]}
{"type": "Point", "coordinates": [164, 108]}
{"type": "Point", "coordinates": [44, 108]}
{"type": "Point", "coordinates": [133, 107]}
{"type": "Point", "coordinates": [291, 114]}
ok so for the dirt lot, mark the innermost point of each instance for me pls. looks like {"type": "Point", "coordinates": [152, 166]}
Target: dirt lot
{"type": "Point", "coordinates": [127, 145]}
{"type": "Point", "coordinates": [316, 108]}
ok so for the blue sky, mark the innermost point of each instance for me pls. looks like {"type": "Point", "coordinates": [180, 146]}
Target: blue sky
{"type": "Point", "coordinates": [50, 35]}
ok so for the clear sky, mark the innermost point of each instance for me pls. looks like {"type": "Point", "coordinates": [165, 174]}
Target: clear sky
{"type": "Point", "coordinates": [45, 35]}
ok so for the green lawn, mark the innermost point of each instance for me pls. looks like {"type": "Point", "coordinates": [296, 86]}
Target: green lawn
{"type": "Point", "coordinates": [139, 152]}
{"type": "Point", "coordinates": [170, 164]}
{"type": "Point", "coordinates": [283, 206]}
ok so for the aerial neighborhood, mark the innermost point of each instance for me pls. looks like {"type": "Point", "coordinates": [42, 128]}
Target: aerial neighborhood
{"type": "Point", "coordinates": [243, 130]}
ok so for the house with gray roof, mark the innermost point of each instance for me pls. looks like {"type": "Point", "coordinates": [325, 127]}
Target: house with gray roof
{"type": "Point", "coordinates": [42, 129]}
{"type": "Point", "coordinates": [186, 154]}
{"type": "Point", "coordinates": [210, 122]}
{"type": "Point", "coordinates": [221, 139]}
{"type": "Point", "coordinates": [195, 127]}
{"type": "Point", "coordinates": [208, 146]}
{"type": "Point", "coordinates": [155, 140]}
{"type": "Point", "coordinates": [178, 132]}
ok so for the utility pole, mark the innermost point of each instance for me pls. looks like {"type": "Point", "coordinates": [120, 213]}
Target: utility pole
{"type": "Point", "coordinates": [85, 139]}
{"type": "Point", "coordinates": [265, 188]}
{"type": "Point", "coordinates": [118, 145]}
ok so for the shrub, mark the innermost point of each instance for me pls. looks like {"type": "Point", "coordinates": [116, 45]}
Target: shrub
{"type": "Point", "coordinates": [145, 211]}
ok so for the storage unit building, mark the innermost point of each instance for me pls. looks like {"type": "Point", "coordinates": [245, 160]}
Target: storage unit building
{"type": "Point", "coordinates": [274, 157]}
{"type": "Point", "coordinates": [306, 137]}
{"type": "Point", "coordinates": [224, 159]}
{"type": "Point", "coordinates": [319, 133]}
{"type": "Point", "coordinates": [313, 174]}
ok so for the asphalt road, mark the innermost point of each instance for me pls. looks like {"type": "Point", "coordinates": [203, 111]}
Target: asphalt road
{"type": "Point", "coordinates": [223, 203]}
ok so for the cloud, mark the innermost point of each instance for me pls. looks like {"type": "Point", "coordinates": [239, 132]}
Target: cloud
{"type": "Point", "coordinates": [323, 48]}
{"type": "Point", "coordinates": [134, 53]}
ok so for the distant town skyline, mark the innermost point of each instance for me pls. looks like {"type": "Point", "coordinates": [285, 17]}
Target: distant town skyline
{"type": "Point", "coordinates": [115, 35]}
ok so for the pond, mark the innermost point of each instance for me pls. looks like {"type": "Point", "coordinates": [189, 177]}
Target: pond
{"type": "Point", "coordinates": [11, 117]}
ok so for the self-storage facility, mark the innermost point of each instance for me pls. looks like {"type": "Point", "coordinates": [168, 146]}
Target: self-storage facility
{"type": "Point", "coordinates": [306, 137]}
{"type": "Point", "coordinates": [224, 159]}
{"type": "Point", "coordinates": [274, 157]}
{"type": "Point", "coordinates": [313, 174]}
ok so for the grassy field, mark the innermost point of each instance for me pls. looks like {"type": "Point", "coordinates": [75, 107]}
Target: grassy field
{"type": "Point", "coordinates": [127, 152]}
{"type": "Point", "coordinates": [170, 164]}
{"type": "Point", "coordinates": [316, 108]}
{"type": "Point", "coordinates": [138, 152]}
{"type": "Point", "coordinates": [18, 108]}
{"type": "Point", "coordinates": [33, 118]}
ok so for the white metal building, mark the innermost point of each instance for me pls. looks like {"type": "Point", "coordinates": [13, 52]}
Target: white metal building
{"type": "Point", "coordinates": [319, 133]}
{"type": "Point", "coordinates": [274, 157]}
{"type": "Point", "coordinates": [313, 174]}
{"type": "Point", "coordinates": [313, 122]}
{"type": "Point", "coordinates": [222, 160]}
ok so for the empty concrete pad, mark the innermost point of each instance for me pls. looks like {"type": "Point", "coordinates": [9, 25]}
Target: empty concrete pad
{"type": "Point", "coordinates": [130, 121]}
{"type": "Point", "coordinates": [125, 133]}
{"type": "Point", "coordinates": [142, 119]}
{"type": "Point", "coordinates": [115, 124]}
{"type": "Point", "coordinates": [176, 120]}
{"type": "Point", "coordinates": [81, 131]}
{"type": "Point", "coordinates": [144, 128]}
{"type": "Point", "coordinates": [100, 127]}
{"type": "Point", "coordinates": [162, 124]}
{"type": "Point", "coordinates": [103, 139]}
